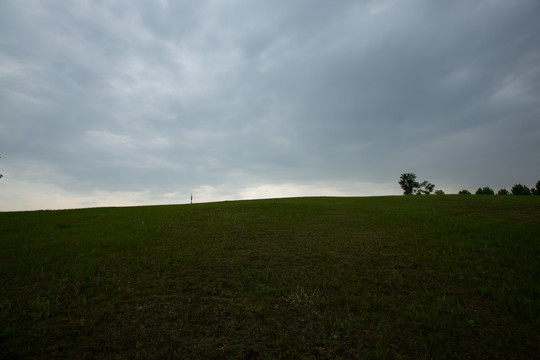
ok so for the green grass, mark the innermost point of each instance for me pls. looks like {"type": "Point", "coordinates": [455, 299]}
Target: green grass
{"type": "Point", "coordinates": [413, 277]}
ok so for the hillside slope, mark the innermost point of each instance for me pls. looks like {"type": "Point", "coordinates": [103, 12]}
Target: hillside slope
{"type": "Point", "coordinates": [384, 277]}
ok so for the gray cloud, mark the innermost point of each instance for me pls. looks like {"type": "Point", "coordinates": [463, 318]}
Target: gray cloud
{"type": "Point", "coordinates": [166, 97]}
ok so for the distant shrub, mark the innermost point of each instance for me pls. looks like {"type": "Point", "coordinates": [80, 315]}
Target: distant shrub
{"type": "Point", "coordinates": [536, 190]}
{"type": "Point", "coordinates": [503, 191]}
{"type": "Point", "coordinates": [439, 192]}
{"type": "Point", "coordinates": [485, 191]}
{"type": "Point", "coordinates": [519, 189]}
{"type": "Point", "coordinates": [464, 192]}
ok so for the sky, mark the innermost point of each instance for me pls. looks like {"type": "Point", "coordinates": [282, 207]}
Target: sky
{"type": "Point", "coordinates": [135, 102]}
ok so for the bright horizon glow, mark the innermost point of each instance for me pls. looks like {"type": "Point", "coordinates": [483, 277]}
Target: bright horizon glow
{"type": "Point", "coordinates": [50, 197]}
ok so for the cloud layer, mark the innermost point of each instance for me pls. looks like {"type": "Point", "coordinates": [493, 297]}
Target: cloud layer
{"type": "Point", "coordinates": [147, 102]}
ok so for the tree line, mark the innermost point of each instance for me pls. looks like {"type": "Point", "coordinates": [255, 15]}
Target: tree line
{"type": "Point", "coordinates": [410, 186]}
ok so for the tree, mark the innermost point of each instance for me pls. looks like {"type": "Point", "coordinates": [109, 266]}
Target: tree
{"type": "Point", "coordinates": [411, 186]}
{"type": "Point", "coordinates": [439, 192]}
{"type": "Point", "coordinates": [408, 183]}
{"type": "Point", "coordinates": [485, 191]}
{"type": "Point", "coordinates": [536, 190]}
{"type": "Point", "coordinates": [425, 188]}
{"type": "Point", "coordinates": [464, 192]}
{"type": "Point", "coordinates": [503, 191]}
{"type": "Point", "coordinates": [519, 189]}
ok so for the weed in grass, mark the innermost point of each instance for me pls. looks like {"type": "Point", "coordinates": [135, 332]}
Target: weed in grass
{"type": "Point", "coordinates": [5, 306]}
{"type": "Point", "coordinates": [301, 296]}
{"type": "Point", "coordinates": [42, 307]}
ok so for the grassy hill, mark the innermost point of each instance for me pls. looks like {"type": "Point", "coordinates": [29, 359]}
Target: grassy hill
{"type": "Point", "coordinates": [383, 277]}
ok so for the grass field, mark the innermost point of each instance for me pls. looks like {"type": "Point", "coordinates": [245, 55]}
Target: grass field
{"type": "Point", "coordinates": [384, 277]}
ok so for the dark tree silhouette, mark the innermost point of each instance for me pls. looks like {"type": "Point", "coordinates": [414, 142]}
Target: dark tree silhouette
{"type": "Point", "coordinates": [486, 190]}
{"type": "Point", "coordinates": [519, 189]}
{"type": "Point", "coordinates": [425, 188]}
{"type": "Point", "coordinates": [410, 186]}
{"type": "Point", "coordinates": [536, 190]}
{"type": "Point", "coordinates": [408, 182]}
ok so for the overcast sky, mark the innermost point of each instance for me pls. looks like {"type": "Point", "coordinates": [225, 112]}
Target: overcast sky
{"type": "Point", "coordinates": [145, 102]}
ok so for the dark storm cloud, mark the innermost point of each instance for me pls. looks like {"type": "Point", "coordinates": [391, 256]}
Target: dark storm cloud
{"type": "Point", "coordinates": [223, 96]}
